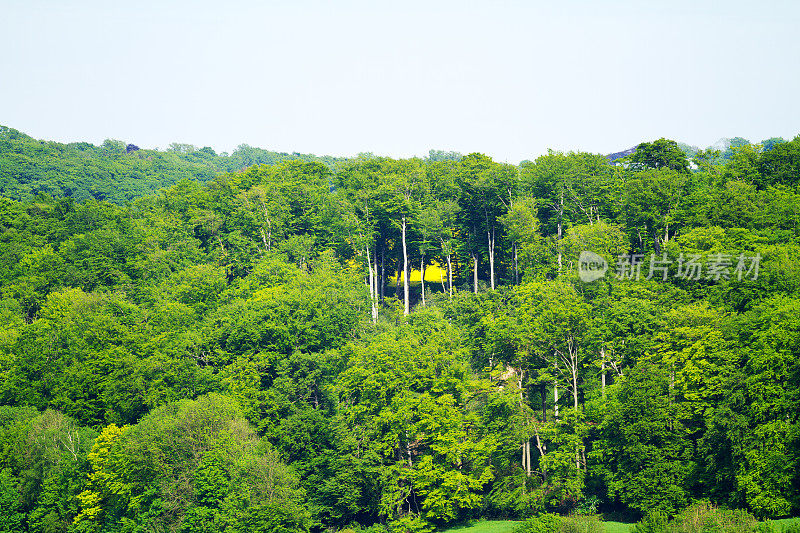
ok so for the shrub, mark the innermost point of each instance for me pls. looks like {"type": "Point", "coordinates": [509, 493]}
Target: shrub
{"type": "Point", "coordinates": [706, 518]}
{"type": "Point", "coordinates": [588, 506]}
{"type": "Point", "coordinates": [552, 523]}
{"type": "Point", "coordinates": [580, 524]}
{"type": "Point", "coordinates": [410, 523]}
{"type": "Point", "coordinates": [653, 522]}
{"type": "Point", "coordinates": [545, 523]}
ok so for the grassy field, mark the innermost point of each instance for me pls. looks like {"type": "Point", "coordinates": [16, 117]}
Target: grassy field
{"type": "Point", "coordinates": [507, 526]}
{"type": "Point", "coordinates": [784, 523]}
{"type": "Point", "coordinates": [486, 526]}
{"type": "Point", "coordinates": [616, 527]}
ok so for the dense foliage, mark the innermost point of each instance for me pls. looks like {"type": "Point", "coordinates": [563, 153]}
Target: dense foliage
{"type": "Point", "coordinates": [115, 171]}
{"type": "Point", "coordinates": [249, 354]}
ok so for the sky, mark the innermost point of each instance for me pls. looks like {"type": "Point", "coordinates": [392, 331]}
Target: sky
{"type": "Point", "coordinates": [510, 79]}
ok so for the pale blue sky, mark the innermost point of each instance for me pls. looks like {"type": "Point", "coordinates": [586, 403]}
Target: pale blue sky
{"type": "Point", "coordinates": [510, 79]}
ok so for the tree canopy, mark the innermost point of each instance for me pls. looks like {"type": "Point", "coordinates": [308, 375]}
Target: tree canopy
{"type": "Point", "coordinates": [398, 344]}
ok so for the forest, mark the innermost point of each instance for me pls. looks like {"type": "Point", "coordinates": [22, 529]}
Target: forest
{"type": "Point", "coordinates": [193, 342]}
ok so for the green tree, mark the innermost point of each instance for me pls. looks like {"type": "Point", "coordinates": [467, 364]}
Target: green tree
{"type": "Point", "coordinates": [187, 460]}
{"type": "Point", "coordinates": [651, 198]}
{"type": "Point", "coordinates": [488, 190]}
{"type": "Point", "coordinates": [767, 455]}
{"type": "Point", "coordinates": [404, 397]}
{"type": "Point", "coordinates": [780, 165]}
{"type": "Point", "coordinates": [640, 443]}
{"type": "Point", "coordinates": [660, 154]}
{"type": "Point", "coordinates": [570, 188]}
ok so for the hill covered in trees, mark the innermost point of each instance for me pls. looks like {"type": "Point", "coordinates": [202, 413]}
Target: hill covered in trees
{"type": "Point", "coordinates": [241, 351]}
{"type": "Point", "coordinates": [720, 152]}
{"type": "Point", "coordinates": [115, 171]}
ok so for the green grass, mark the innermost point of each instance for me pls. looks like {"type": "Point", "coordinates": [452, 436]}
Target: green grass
{"type": "Point", "coordinates": [486, 526]}
{"type": "Point", "coordinates": [616, 527]}
{"type": "Point", "coordinates": [783, 524]}
{"type": "Point", "coordinates": [507, 526]}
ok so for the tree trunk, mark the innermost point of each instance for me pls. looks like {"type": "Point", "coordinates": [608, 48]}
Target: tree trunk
{"type": "Point", "coordinates": [450, 274]}
{"type": "Point", "coordinates": [555, 400]}
{"type": "Point", "coordinates": [383, 270]}
{"type": "Point", "coordinates": [372, 289]}
{"type": "Point", "coordinates": [574, 370]}
{"type": "Point", "coordinates": [528, 456]}
{"type": "Point", "coordinates": [377, 280]}
{"type": "Point", "coordinates": [490, 237]}
{"type": "Point", "coordinates": [541, 447]}
{"type": "Point", "coordinates": [475, 271]}
{"type": "Point", "coordinates": [526, 445]}
{"type": "Point", "coordinates": [408, 451]}
{"type": "Point", "coordinates": [264, 240]}
{"type": "Point", "coordinates": [524, 458]}
{"type": "Point", "coordinates": [405, 271]}
{"type": "Point", "coordinates": [516, 266]}
{"type": "Point", "coordinates": [560, 229]}
{"type": "Point", "coordinates": [603, 370]}
{"type": "Point", "coordinates": [422, 278]}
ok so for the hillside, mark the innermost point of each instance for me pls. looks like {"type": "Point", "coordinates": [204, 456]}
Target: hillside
{"type": "Point", "coordinates": [115, 171]}
{"type": "Point", "coordinates": [246, 354]}
{"type": "Point", "coordinates": [724, 146]}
